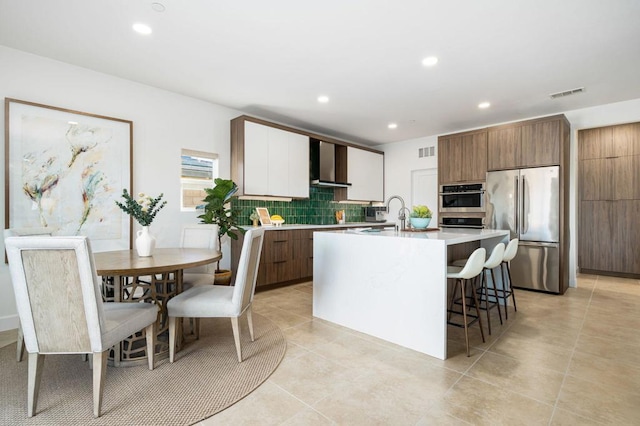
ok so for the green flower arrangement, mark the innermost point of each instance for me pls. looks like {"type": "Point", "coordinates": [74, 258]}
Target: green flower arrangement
{"type": "Point", "coordinates": [144, 209]}
{"type": "Point", "coordinates": [421, 211]}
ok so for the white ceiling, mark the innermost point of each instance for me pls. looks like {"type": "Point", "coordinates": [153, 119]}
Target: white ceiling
{"type": "Point", "coordinates": [272, 59]}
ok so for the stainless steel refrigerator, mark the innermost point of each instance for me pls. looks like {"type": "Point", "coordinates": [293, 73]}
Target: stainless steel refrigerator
{"type": "Point", "coordinates": [527, 202]}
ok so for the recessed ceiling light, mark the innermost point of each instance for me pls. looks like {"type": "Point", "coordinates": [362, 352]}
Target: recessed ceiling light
{"type": "Point", "coordinates": [484, 105]}
{"type": "Point", "coordinates": [393, 125]}
{"type": "Point", "coordinates": [429, 61]}
{"type": "Point", "coordinates": [323, 99]}
{"type": "Point", "coordinates": [142, 28]}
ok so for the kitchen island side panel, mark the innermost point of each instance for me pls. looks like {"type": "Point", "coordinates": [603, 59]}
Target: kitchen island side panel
{"type": "Point", "coordinates": [391, 288]}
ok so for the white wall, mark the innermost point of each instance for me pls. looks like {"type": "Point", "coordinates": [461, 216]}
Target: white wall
{"type": "Point", "coordinates": [163, 124]}
{"type": "Point", "coordinates": [401, 158]}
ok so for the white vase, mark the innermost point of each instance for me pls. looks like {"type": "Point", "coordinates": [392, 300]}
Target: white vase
{"type": "Point", "coordinates": [145, 243]}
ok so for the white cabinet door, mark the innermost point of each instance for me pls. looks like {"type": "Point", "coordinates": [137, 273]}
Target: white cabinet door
{"type": "Point", "coordinates": [298, 165]}
{"type": "Point", "coordinates": [256, 151]}
{"type": "Point", "coordinates": [365, 171]}
{"type": "Point", "coordinates": [276, 162]}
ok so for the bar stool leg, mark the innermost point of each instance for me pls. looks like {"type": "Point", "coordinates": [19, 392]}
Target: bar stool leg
{"type": "Point", "coordinates": [506, 284]}
{"type": "Point", "coordinates": [513, 294]}
{"type": "Point", "coordinates": [453, 298]}
{"type": "Point", "coordinates": [495, 294]}
{"type": "Point", "coordinates": [484, 293]}
{"type": "Point", "coordinates": [475, 299]}
{"type": "Point", "coordinates": [464, 315]}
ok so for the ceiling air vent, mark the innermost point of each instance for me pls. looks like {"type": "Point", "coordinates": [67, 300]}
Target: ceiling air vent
{"type": "Point", "coordinates": [566, 93]}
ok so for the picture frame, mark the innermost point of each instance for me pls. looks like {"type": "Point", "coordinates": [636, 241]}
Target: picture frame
{"type": "Point", "coordinates": [65, 169]}
{"type": "Point", "coordinates": [263, 214]}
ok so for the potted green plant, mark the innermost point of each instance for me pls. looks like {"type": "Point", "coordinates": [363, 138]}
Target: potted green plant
{"type": "Point", "coordinates": [420, 216]}
{"type": "Point", "coordinates": [218, 211]}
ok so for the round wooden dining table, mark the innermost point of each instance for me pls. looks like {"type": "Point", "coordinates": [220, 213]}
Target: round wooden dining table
{"type": "Point", "coordinates": [127, 277]}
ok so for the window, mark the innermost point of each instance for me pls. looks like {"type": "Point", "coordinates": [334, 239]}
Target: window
{"type": "Point", "coordinates": [198, 170]}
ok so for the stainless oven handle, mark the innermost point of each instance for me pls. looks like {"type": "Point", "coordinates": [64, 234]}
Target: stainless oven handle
{"type": "Point", "coordinates": [464, 192]}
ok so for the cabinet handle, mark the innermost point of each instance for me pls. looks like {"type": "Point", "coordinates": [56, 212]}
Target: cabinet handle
{"type": "Point", "coordinates": [280, 241]}
{"type": "Point", "coordinates": [280, 261]}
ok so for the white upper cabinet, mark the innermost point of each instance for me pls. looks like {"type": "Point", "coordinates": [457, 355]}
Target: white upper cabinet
{"type": "Point", "coordinates": [365, 172]}
{"type": "Point", "coordinates": [276, 162]}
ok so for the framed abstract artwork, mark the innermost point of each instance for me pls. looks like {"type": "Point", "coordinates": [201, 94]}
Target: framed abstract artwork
{"type": "Point", "coordinates": [64, 170]}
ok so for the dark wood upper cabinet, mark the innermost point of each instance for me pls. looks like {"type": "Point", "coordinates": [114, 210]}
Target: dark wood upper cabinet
{"type": "Point", "coordinates": [504, 148]}
{"type": "Point", "coordinates": [609, 142]}
{"type": "Point", "coordinates": [533, 143]}
{"type": "Point", "coordinates": [462, 157]}
{"type": "Point", "coordinates": [541, 143]}
{"type": "Point", "coordinates": [474, 157]}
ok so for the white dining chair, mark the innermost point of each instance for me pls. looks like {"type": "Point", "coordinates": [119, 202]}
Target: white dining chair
{"type": "Point", "coordinates": [61, 310]}
{"type": "Point", "coordinates": [22, 232]}
{"type": "Point", "coordinates": [199, 236]}
{"type": "Point", "coordinates": [217, 301]}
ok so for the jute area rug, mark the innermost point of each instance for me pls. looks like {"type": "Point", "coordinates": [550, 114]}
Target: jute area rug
{"type": "Point", "coordinates": [205, 379]}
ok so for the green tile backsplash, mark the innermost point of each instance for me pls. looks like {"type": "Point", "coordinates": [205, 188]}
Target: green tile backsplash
{"type": "Point", "coordinates": [318, 209]}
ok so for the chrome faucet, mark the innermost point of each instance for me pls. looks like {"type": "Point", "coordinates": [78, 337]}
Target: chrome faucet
{"type": "Point", "coordinates": [406, 209]}
{"type": "Point", "coordinates": [401, 215]}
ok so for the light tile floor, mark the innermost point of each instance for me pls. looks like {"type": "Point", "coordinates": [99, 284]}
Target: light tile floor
{"type": "Point", "coordinates": [559, 360]}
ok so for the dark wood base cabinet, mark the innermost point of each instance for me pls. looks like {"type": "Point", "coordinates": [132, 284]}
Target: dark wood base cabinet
{"type": "Point", "coordinates": [609, 236]}
{"type": "Point", "coordinates": [287, 256]}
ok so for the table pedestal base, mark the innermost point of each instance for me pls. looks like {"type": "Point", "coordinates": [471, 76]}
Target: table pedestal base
{"type": "Point", "coordinates": [157, 289]}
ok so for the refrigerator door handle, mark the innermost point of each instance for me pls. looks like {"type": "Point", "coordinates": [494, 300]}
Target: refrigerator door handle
{"type": "Point", "coordinates": [524, 211]}
{"type": "Point", "coordinates": [516, 206]}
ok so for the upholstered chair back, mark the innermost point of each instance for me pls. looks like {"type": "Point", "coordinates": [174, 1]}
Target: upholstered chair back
{"type": "Point", "coordinates": [247, 272]}
{"type": "Point", "coordinates": [200, 236]}
{"type": "Point", "coordinates": [57, 293]}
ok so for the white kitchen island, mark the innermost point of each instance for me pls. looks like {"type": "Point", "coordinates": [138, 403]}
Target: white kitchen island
{"type": "Point", "coordinates": [390, 284]}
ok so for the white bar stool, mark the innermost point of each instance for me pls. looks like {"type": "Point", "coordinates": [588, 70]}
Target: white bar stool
{"type": "Point", "coordinates": [494, 260]}
{"type": "Point", "coordinates": [507, 288]}
{"type": "Point", "coordinates": [472, 268]}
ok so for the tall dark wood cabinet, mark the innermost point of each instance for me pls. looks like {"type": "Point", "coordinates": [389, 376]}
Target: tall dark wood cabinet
{"type": "Point", "coordinates": [609, 193]}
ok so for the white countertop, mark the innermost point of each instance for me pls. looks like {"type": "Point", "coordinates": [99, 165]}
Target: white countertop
{"type": "Point", "coordinates": [449, 235]}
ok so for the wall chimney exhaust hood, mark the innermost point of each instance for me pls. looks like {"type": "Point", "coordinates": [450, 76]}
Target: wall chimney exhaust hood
{"type": "Point", "coordinates": [323, 165]}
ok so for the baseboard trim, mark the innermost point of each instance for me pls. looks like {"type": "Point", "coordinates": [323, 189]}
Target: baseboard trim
{"type": "Point", "coordinates": [10, 322]}
{"type": "Point", "coordinates": [609, 273]}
